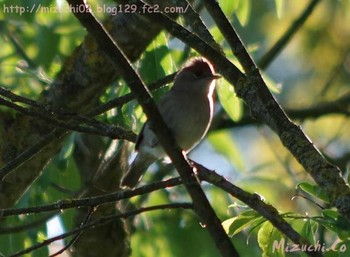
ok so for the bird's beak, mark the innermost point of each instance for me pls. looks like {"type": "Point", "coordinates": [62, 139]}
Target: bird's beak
{"type": "Point", "coordinates": [216, 76]}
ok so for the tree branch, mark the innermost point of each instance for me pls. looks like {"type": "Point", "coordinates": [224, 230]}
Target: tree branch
{"type": "Point", "coordinates": [84, 76]}
{"type": "Point", "coordinates": [201, 204]}
{"type": "Point", "coordinates": [232, 38]}
{"type": "Point", "coordinates": [96, 128]}
{"type": "Point", "coordinates": [265, 108]}
{"type": "Point", "coordinates": [287, 36]}
{"type": "Point", "coordinates": [29, 153]}
{"type": "Point", "coordinates": [338, 106]}
{"type": "Point", "coordinates": [102, 221]}
{"type": "Point", "coordinates": [256, 203]}
{"type": "Point", "coordinates": [77, 235]}
{"type": "Point", "coordinates": [120, 101]}
{"type": "Point", "coordinates": [92, 201]}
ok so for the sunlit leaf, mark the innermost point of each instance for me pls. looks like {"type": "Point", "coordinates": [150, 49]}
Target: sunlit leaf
{"type": "Point", "coordinates": [47, 41]}
{"type": "Point", "coordinates": [279, 8]}
{"type": "Point", "coordinates": [229, 100]}
{"type": "Point", "coordinates": [330, 213]}
{"type": "Point", "coordinates": [236, 224]}
{"type": "Point", "coordinates": [241, 8]}
{"type": "Point", "coordinates": [309, 230]}
{"type": "Point", "coordinates": [270, 241]}
{"type": "Point", "coordinates": [243, 11]}
{"type": "Point", "coordinates": [314, 190]}
{"type": "Point", "coordinates": [156, 61]}
{"type": "Point", "coordinates": [68, 148]}
{"type": "Point", "coordinates": [228, 7]}
{"type": "Point", "coordinates": [216, 34]}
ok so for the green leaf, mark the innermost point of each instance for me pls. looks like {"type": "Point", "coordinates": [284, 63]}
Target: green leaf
{"type": "Point", "coordinates": [279, 8]}
{"type": "Point", "coordinates": [243, 11]}
{"type": "Point", "coordinates": [236, 224]}
{"type": "Point", "coordinates": [271, 241]}
{"type": "Point", "coordinates": [47, 42]}
{"type": "Point", "coordinates": [229, 100]}
{"type": "Point", "coordinates": [156, 62]}
{"type": "Point", "coordinates": [241, 8]}
{"type": "Point", "coordinates": [214, 30]}
{"type": "Point", "coordinates": [309, 230]}
{"type": "Point", "coordinates": [228, 7]}
{"type": "Point", "coordinates": [68, 148]}
{"type": "Point", "coordinates": [13, 242]}
{"type": "Point", "coordinates": [313, 190]}
{"type": "Point", "coordinates": [330, 213]}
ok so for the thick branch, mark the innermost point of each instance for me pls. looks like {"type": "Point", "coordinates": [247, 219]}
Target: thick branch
{"type": "Point", "coordinates": [83, 78]}
{"type": "Point", "coordinates": [255, 202]}
{"type": "Point", "coordinates": [265, 108]}
{"type": "Point", "coordinates": [201, 204]}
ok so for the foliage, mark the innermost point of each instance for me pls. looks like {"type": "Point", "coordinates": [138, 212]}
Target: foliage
{"type": "Point", "coordinates": [312, 70]}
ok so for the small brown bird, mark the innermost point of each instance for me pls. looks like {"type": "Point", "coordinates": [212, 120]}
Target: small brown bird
{"type": "Point", "coordinates": [187, 109]}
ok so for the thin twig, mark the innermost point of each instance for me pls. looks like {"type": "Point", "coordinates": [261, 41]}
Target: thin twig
{"type": "Point", "coordinates": [201, 204]}
{"type": "Point", "coordinates": [77, 235]}
{"type": "Point", "coordinates": [120, 101]}
{"type": "Point", "coordinates": [263, 106]}
{"type": "Point", "coordinates": [193, 19]}
{"type": "Point", "coordinates": [19, 49]}
{"type": "Point", "coordinates": [98, 128]}
{"type": "Point", "coordinates": [102, 221]}
{"type": "Point", "coordinates": [232, 38]}
{"type": "Point", "coordinates": [92, 201]}
{"type": "Point", "coordinates": [29, 153]}
{"type": "Point", "coordinates": [255, 202]}
{"type": "Point", "coordinates": [287, 36]}
{"type": "Point", "coordinates": [321, 109]}
{"type": "Point", "coordinates": [27, 226]}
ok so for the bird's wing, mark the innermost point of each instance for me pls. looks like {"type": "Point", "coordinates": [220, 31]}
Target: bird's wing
{"type": "Point", "coordinates": [146, 137]}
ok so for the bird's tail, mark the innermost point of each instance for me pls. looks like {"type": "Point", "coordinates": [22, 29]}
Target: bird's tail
{"type": "Point", "coordinates": [136, 170]}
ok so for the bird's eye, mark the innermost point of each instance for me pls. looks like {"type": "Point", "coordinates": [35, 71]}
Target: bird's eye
{"type": "Point", "coordinates": [198, 74]}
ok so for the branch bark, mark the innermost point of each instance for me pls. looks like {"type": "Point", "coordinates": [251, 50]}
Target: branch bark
{"type": "Point", "coordinates": [84, 76]}
{"type": "Point", "coordinates": [253, 200]}
{"type": "Point", "coordinates": [201, 204]}
{"type": "Point", "coordinates": [264, 107]}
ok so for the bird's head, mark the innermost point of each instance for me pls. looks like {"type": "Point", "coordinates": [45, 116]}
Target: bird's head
{"type": "Point", "coordinates": [197, 75]}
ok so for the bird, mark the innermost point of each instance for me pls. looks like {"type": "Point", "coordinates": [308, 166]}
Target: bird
{"type": "Point", "coordinates": [187, 110]}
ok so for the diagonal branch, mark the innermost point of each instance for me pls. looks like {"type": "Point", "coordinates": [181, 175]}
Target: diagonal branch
{"type": "Point", "coordinates": [92, 201]}
{"type": "Point", "coordinates": [287, 36]}
{"type": "Point", "coordinates": [339, 106]}
{"type": "Point", "coordinates": [78, 234]}
{"type": "Point", "coordinates": [30, 152]}
{"type": "Point", "coordinates": [201, 204]}
{"type": "Point", "coordinates": [96, 128]}
{"type": "Point", "coordinates": [264, 107]}
{"type": "Point", "coordinates": [232, 38]}
{"type": "Point", "coordinates": [83, 77]}
{"type": "Point", "coordinates": [102, 221]}
{"type": "Point", "coordinates": [254, 201]}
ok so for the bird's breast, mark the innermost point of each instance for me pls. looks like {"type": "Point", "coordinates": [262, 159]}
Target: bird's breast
{"type": "Point", "coordinates": [190, 120]}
